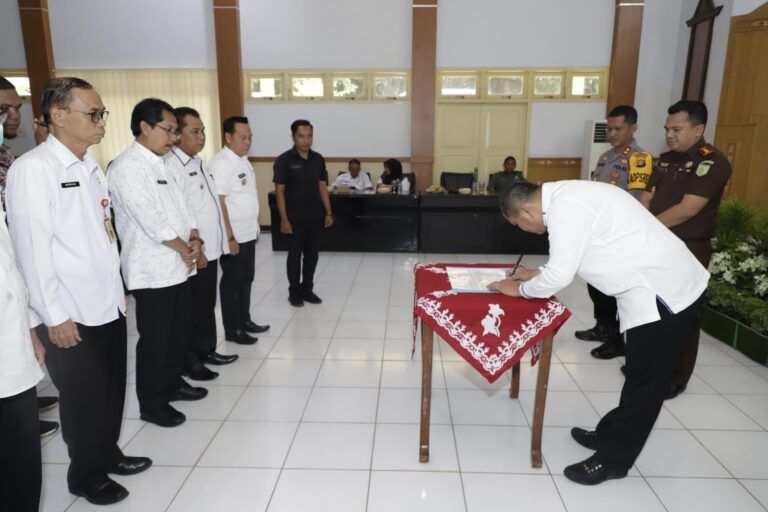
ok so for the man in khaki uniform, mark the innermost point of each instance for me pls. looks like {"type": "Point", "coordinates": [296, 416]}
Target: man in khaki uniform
{"type": "Point", "coordinates": [628, 167]}
{"type": "Point", "coordinates": [684, 193]}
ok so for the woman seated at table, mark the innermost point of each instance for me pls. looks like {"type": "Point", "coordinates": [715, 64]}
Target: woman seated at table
{"type": "Point", "coordinates": [393, 170]}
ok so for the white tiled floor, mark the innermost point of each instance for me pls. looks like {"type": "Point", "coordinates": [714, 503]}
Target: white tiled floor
{"type": "Point", "coordinates": [322, 414]}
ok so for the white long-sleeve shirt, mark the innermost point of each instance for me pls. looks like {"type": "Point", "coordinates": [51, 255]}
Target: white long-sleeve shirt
{"type": "Point", "coordinates": [19, 370]}
{"type": "Point", "coordinates": [235, 179]}
{"type": "Point", "coordinates": [362, 182]}
{"type": "Point", "coordinates": [57, 205]}
{"type": "Point", "coordinates": [606, 237]}
{"type": "Point", "coordinates": [149, 210]}
{"type": "Point", "coordinates": [202, 201]}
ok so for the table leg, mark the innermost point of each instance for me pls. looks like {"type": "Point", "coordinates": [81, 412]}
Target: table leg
{"type": "Point", "coordinates": [514, 386]}
{"type": "Point", "coordinates": [541, 399]}
{"type": "Point", "coordinates": [427, 336]}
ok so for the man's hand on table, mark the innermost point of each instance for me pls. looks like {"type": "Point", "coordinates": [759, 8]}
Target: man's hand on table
{"type": "Point", "coordinates": [522, 273]}
{"type": "Point", "coordinates": [507, 286]}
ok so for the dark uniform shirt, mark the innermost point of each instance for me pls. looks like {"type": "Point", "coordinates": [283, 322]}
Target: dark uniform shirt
{"type": "Point", "coordinates": [703, 171]}
{"type": "Point", "coordinates": [302, 183]}
{"type": "Point", "coordinates": [502, 179]}
{"type": "Point", "coordinates": [628, 168]}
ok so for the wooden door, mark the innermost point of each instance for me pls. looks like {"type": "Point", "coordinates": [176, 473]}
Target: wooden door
{"type": "Point", "coordinates": [742, 124]}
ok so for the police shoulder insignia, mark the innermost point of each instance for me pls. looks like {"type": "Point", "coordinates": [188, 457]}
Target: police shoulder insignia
{"type": "Point", "coordinates": [706, 150]}
{"type": "Point", "coordinates": [627, 150]}
{"type": "Point", "coordinates": [624, 160]}
{"type": "Point", "coordinates": [703, 168]}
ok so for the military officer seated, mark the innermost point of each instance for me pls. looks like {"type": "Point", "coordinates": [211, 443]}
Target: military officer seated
{"type": "Point", "coordinates": [500, 180]}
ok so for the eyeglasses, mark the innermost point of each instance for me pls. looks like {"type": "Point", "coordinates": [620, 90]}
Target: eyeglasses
{"type": "Point", "coordinates": [96, 115]}
{"type": "Point", "coordinates": [174, 134]}
{"type": "Point", "coordinates": [4, 108]}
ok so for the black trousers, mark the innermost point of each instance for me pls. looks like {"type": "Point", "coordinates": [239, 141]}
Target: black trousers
{"type": "Point", "coordinates": [162, 319]}
{"type": "Point", "coordinates": [235, 287]}
{"type": "Point", "coordinates": [305, 241]}
{"type": "Point", "coordinates": [20, 466]}
{"type": "Point", "coordinates": [202, 338]}
{"type": "Point", "coordinates": [652, 353]}
{"type": "Point", "coordinates": [90, 378]}
{"type": "Point", "coordinates": [605, 308]}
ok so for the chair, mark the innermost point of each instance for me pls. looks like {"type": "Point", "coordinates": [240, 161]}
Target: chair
{"type": "Point", "coordinates": [453, 181]}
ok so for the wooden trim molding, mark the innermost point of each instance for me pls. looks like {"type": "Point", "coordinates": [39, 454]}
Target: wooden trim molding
{"type": "Point", "coordinates": [702, 25]}
{"type": "Point", "coordinates": [38, 48]}
{"type": "Point", "coordinates": [541, 170]}
{"type": "Point", "coordinates": [423, 79]}
{"type": "Point", "coordinates": [625, 53]}
{"type": "Point", "coordinates": [229, 69]}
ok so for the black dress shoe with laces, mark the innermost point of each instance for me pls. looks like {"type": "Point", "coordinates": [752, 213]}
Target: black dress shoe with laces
{"type": "Point", "coordinates": [220, 359]}
{"type": "Point", "coordinates": [254, 328]}
{"type": "Point", "coordinates": [675, 390]}
{"type": "Point", "coordinates": [200, 372]}
{"type": "Point", "coordinates": [48, 428]}
{"type": "Point", "coordinates": [105, 492]}
{"type": "Point", "coordinates": [592, 472]}
{"type": "Point", "coordinates": [312, 298]}
{"type": "Point", "coordinates": [609, 350]}
{"type": "Point", "coordinates": [597, 333]}
{"type": "Point", "coordinates": [241, 338]}
{"type": "Point", "coordinates": [296, 302]}
{"type": "Point", "coordinates": [46, 403]}
{"type": "Point", "coordinates": [131, 465]}
{"type": "Point", "coordinates": [166, 416]}
{"type": "Point", "coordinates": [189, 393]}
{"type": "Point", "coordinates": [586, 438]}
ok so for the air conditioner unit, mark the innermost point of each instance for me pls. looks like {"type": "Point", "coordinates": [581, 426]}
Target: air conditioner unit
{"type": "Point", "coordinates": [595, 144]}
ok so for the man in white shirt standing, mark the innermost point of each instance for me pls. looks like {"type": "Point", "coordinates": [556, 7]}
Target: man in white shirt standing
{"type": "Point", "coordinates": [58, 212]}
{"type": "Point", "coordinates": [203, 203]}
{"type": "Point", "coordinates": [236, 186]}
{"type": "Point", "coordinates": [160, 248]}
{"type": "Point", "coordinates": [588, 224]}
{"type": "Point", "coordinates": [20, 353]}
{"type": "Point", "coordinates": [354, 179]}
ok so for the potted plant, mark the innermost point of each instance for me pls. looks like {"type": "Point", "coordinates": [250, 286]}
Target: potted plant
{"type": "Point", "coordinates": [736, 311]}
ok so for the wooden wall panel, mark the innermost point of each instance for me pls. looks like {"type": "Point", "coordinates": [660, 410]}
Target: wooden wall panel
{"type": "Point", "coordinates": [228, 60]}
{"type": "Point", "coordinates": [36, 32]}
{"type": "Point", "coordinates": [541, 170]}
{"type": "Point", "coordinates": [423, 76]}
{"type": "Point", "coordinates": [625, 53]}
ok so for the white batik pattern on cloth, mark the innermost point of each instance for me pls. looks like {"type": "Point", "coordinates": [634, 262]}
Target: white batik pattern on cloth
{"type": "Point", "coordinates": [492, 320]}
{"type": "Point", "coordinates": [429, 268]}
{"type": "Point", "coordinates": [468, 340]}
{"type": "Point", "coordinates": [443, 293]}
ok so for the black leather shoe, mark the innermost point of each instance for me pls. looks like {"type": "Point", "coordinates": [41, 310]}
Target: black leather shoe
{"type": "Point", "coordinates": [46, 403]}
{"type": "Point", "coordinates": [296, 302]}
{"type": "Point", "coordinates": [254, 328]}
{"type": "Point", "coordinates": [189, 393]}
{"type": "Point", "coordinates": [131, 465]}
{"type": "Point", "coordinates": [586, 438]}
{"type": "Point", "coordinates": [597, 333]}
{"type": "Point", "coordinates": [48, 428]}
{"type": "Point", "coordinates": [165, 417]}
{"type": "Point", "coordinates": [675, 390]}
{"type": "Point", "coordinates": [592, 472]}
{"type": "Point", "coordinates": [609, 350]}
{"type": "Point", "coordinates": [312, 298]}
{"type": "Point", "coordinates": [241, 338]}
{"type": "Point", "coordinates": [103, 493]}
{"type": "Point", "coordinates": [200, 372]}
{"type": "Point", "coordinates": [220, 359]}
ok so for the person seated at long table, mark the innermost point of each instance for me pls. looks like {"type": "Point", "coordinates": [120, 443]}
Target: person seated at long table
{"type": "Point", "coordinates": [354, 179]}
{"type": "Point", "coordinates": [500, 180]}
{"type": "Point", "coordinates": [393, 170]}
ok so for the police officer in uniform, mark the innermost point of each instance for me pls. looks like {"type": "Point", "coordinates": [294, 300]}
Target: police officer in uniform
{"type": "Point", "coordinates": [628, 167]}
{"type": "Point", "coordinates": [684, 193]}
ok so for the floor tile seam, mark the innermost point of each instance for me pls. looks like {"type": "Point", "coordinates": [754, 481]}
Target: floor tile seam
{"type": "Point", "coordinates": [745, 413]}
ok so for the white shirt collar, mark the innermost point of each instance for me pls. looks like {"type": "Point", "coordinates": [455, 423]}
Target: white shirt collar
{"type": "Point", "coordinates": [65, 155]}
{"type": "Point", "coordinates": [146, 153]}
{"type": "Point", "coordinates": [181, 155]}
{"type": "Point", "coordinates": [232, 155]}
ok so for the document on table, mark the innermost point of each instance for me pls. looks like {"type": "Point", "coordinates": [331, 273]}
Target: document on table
{"type": "Point", "coordinates": [473, 279]}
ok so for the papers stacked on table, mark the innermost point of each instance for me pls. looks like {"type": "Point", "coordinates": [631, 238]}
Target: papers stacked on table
{"type": "Point", "coordinates": [473, 279]}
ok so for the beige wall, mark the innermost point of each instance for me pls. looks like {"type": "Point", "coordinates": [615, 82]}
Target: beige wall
{"type": "Point", "coordinates": [264, 183]}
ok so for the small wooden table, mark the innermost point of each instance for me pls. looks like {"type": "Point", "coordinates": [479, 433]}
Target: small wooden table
{"type": "Point", "coordinates": [492, 332]}
{"type": "Point", "coordinates": [542, 381]}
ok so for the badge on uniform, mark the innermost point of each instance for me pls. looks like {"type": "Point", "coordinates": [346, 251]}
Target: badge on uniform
{"type": "Point", "coordinates": [614, 174]}
{"type": "Point", "coordinates": [688, 165]}
{"type": "Point", "coordinates": [663, 164]}
{"type": "Point", "coordinates": [641, 162]}
{"type": "Point", "coordinates": [706, 151]}
{"type": "Point", "coordinates": [612, 182]}
{"type": "Point", "coordinates": [108, 221]}
{"type": "Point", "coordinates": [627, 150]}
{"type": "Point", "coordinates": [70, 184]}
{"type": "Point", "coordinates": [242, 178]}
{"type": "Point", "coordinates": [624, 161]}
{"type": "Point", "coordinates": [703, 168]}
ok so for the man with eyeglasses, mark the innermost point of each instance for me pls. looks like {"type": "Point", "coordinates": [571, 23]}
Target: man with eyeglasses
{"type": "Point", "coordinates": [58, 214]}
{"type": "Point", "coordinates": [160, 249]}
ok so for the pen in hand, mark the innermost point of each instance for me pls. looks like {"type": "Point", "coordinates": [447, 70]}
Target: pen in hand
{"type": "Point", "coordinates": [517, 264]}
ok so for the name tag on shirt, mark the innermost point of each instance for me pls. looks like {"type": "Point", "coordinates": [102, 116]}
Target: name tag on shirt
{"type": "Point", "coordinates": [242, 178]}
{"type": "Point", "coordinates": [296, 166]}
{"type": "Point", "coordinates": [162, 182]}
{"type": "Point", "coordinates": [193, 173]}
{"type": "Point", "coordinates": [70, 184]}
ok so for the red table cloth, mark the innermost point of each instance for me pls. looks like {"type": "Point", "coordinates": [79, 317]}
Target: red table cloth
{"type": "Point", "coordinates": [491, 331]}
